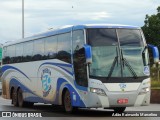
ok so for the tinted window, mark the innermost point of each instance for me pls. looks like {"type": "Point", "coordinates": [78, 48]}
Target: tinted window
{"type": "Point", "coordinates": [11, 53]}
{"type": "Point", "coordinates": [4, 51]}
{"type": "Point", "coordinates": [28, 51]}
{"type": "Point", "coordinates": [19, 53]}
{"type": "Point", "coordinates": [5, 57]}
{"type": "Point", "coordinates": [104, 44]}
{"type": "Point", "coordinates": [102, 37]}
{"type": "Point", "coordinates": [19, 49]}
{"type": "Point", "coordinates": [64, 47]}
{"type": "Point", "coordinates": [38, 49]}
{"type": "Point", "coordinates": [80, 69]}
{"type": "Point", "coordinates": [51, 47]}
{"type": "Point", "coordinates": [78, 40]}
{"type": "Point", "coordinates": [130, 37]}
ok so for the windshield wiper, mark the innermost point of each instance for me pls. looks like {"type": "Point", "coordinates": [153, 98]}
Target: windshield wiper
{"type": "Point", "coordinates": [125, 62]}
{"type": "Point", "coordinates": [113, 64]}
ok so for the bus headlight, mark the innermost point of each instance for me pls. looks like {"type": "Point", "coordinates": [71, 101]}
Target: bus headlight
{"type": "Point", "coordinates": [144, 90]}
{"type": "Point", "coordinates": [98, 91]}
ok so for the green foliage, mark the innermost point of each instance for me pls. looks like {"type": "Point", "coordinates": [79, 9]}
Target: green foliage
{"type": "Point", "coordinates": [0, 54]}
{"type": "Point", "coordinates": [155, 76]}
{"type": "Point", "coordinates": [155, 84]}
{"type": "Point", "coordinates": [154, 72]}
{"type": "Point", "coordinates": [151, 28]}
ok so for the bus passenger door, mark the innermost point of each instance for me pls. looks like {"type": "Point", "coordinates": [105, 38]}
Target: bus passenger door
{"type": "Point", "coordinates": [80, 68]}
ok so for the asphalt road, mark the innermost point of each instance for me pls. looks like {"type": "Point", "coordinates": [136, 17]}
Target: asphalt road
{"type": "Point", "coordinates": [89, 114]}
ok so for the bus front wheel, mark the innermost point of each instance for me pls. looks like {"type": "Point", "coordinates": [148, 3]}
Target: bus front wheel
{"type": "Point", "coordinates": [67, 102]}
{"type": "Point", "coordinates": [21, 102]}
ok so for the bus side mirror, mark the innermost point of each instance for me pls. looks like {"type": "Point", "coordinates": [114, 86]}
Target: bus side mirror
{"type": "Point", "coordinates": [88, 54]}
{"type": "Point", "coordinates": [155, 52]}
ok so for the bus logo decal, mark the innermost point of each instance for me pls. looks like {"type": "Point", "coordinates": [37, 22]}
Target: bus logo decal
{"type": "Point", "coordinates": [46, 81]}
{"type": "Point", "coordinates": [122, 86]}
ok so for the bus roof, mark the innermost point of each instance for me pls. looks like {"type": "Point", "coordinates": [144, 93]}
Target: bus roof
{"type": "Point", "coordinates": [68, 28]}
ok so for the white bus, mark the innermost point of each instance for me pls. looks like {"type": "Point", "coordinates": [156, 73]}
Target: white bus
{"type": "Point", "coordinates": [0, 67]}
{"type": "Point", "coordinates": [82, 66]}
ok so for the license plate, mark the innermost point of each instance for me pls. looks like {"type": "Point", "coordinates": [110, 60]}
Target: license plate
{"type": "Point", "coordinates": [122, 101]}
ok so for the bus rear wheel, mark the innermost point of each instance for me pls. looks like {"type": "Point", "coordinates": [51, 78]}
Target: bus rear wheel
{"type": "Point", "coordinates": [14, 98]}
{"type": "Point", "coordinates": [67, 102]}
{"type": "Point", "coordinates": [21, 102]}
{"type": "Point", "coordinates": [119, 109]}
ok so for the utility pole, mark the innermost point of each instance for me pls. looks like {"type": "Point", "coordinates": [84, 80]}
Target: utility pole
{"type": "Point", "coordinates": [22, 18]}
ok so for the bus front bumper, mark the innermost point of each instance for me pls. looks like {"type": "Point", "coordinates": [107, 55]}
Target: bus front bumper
{"type": "Point", "coordinates": [118, 99]}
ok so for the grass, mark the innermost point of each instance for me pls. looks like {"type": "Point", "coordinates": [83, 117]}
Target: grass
{"type": "Point", "coordinates": [155, 88]}
{"type": "Point", "coordinates": [155, 84]}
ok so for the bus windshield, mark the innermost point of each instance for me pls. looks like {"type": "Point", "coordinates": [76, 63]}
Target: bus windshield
{"type": "Point", "coordinates": [116, 53]}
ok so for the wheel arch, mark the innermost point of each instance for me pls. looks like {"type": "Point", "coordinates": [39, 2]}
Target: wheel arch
{"type": "Point", "coordinates": [71, 91]}
{"type": "Point", "coordinates": [75, 97]}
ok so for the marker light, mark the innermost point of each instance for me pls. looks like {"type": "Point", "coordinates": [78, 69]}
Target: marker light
{"type": "Point", "coordinates": [144, 90]}
{"type": "Point", "coordinates": [98, 91]}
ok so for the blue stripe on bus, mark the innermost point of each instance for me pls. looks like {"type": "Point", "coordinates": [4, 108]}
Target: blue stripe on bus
{"type": "Point", "coordinates": [59, 83]}
{"type": "Point", "coordinates": [66, 65]}
{"type": "Point", "coordinates": [7, 67]}
{"type": "Point", "coordinates": [78, 101]}
{"type": "Point", "coordinates": [80, 87]}
{"type": "Point", "coordinates": [35, 98]}
{"type": "Point", "coordinates": [66, 70]}
{"type": "Point", "coordinates": [60, 65]}
{"type": "Point", "coordinates": [57, 64]}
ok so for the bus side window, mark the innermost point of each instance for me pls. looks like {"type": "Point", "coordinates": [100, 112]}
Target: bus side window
{"type": "Point", "coordinates": [11, 54]}
{"type": "Point", "coordinates": [80, 69]}
{"type": "Point", "coordinates": [51, 47]}
{"type": "Point", "coordinates": [64, 47]}
{"type": "Point", "coordinates": [19, 53]}
{"type": "Point", "coordinates": [5, 55]}
{"type": "Point", "coordinates": [38, 51]}
{"type": "Point", "coordinates": [28, 51]}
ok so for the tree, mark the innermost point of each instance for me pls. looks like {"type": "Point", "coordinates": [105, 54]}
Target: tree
{"type": "Point", "coordinates": [151, 28]}
{"type": "Point", "coordinates": [151, 31]}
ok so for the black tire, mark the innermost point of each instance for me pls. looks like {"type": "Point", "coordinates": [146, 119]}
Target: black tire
{"type": "Point", "coordinates": [119, 109]}
{"type": "Point", "coordinates": [67, 102]}
{"type": "Point", "coordinates": [21, 102]}
{"type": "Point", "coordinates": [14, 97]}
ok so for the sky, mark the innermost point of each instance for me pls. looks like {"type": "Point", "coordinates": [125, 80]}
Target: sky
{"type": "Point", "coordinates": [41, 15]}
